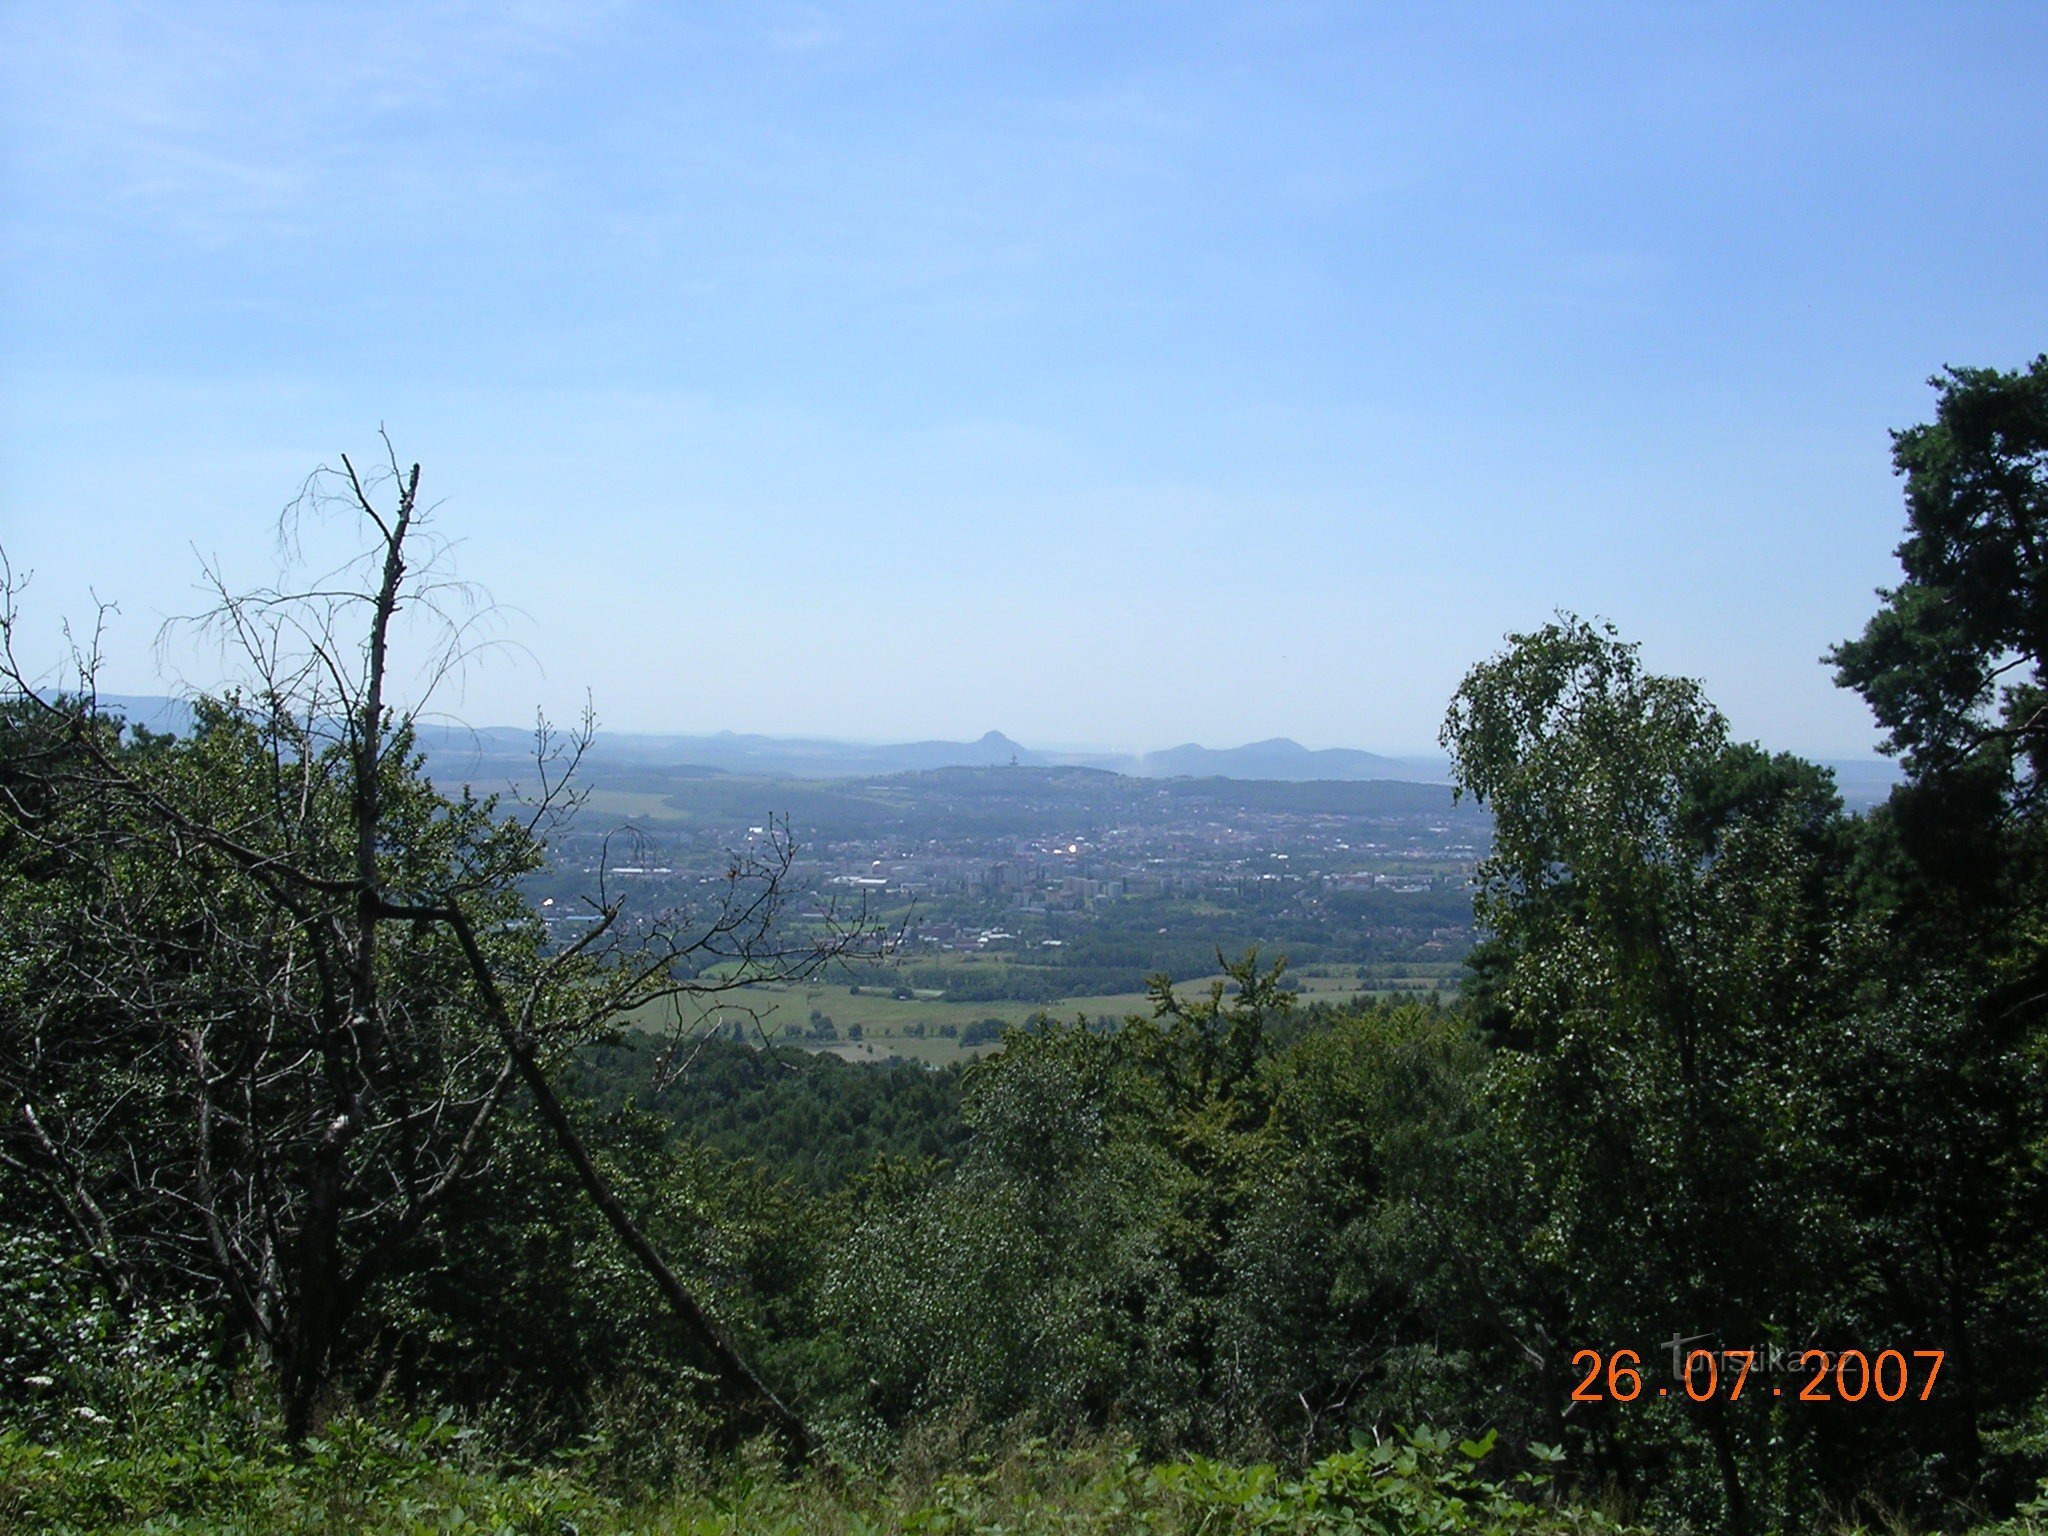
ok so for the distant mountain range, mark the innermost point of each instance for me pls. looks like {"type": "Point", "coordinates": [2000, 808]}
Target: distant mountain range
{"type": "Point", "coordinates": [1281, 758]}
{"type": "Point", "coordinates": [805, 757]}
{"type": "Point", "coordinates": [801, 757]}
{"type": "Point", "coordinates": [1863, 781]}
{"type": "Point", "coordinates": [808, 757]}
{"type": "Point", "coordinates": [153, 712]}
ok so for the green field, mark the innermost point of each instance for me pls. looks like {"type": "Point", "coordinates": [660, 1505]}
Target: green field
{"type": "Point", "coordinates": [629, 804]}
{"type": "Point", "coordinates": [909, 1028]}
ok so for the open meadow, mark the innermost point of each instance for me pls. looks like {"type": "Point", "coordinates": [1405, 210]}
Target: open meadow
{"type": "Point", "coordinates": [872, 1022]}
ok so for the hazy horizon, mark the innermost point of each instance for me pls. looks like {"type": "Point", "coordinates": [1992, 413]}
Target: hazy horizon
{"type": "Point", "coordinates": [1433, 755]}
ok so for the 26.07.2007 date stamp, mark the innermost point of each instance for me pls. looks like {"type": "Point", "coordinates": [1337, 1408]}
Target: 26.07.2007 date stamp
{"type": "Point", "coordinates": [1837, 1376]}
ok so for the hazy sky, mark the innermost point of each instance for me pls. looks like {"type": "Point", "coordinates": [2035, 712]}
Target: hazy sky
{"type": "Point", "coordinates": [1115, 375]}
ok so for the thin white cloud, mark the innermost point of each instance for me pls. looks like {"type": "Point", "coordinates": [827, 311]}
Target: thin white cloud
{"type": "Point", "coordinates": [212, 122]}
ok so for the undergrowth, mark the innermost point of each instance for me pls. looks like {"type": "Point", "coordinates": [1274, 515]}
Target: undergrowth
{"type": "Point", "coordinates": [409, 1480]}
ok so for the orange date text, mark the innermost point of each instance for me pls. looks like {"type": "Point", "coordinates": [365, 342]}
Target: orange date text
{"type": "Point", "coordinates": [1707, 1375]}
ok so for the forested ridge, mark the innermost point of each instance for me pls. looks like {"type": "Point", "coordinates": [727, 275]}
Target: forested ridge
{"type": "Point", "coordinates": [334, 1194]}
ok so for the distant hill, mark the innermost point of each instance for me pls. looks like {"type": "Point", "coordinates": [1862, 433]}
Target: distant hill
{"type": "Point", "coordinates": [808, 757]}
{"type": "Point", "coordinates": [1281, 758]}
{"type": "Point", "coordinates": [1863, 781]}
{"type": "Point", "coordinates": [812, 757]}
{"type": "Point", "coordinates": [167, 717]}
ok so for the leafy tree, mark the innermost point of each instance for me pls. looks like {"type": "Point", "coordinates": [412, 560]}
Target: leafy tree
{"type": "Point", "coordinates": [259, 1023]}
{"type": "Point", "coordinates": [1074, 1266]}
{"type": "Point", "coordinates": [1663, 910]}
{"type": "Point", "coordinates": [225, 1080]}
{"type": "Point", "coordinates": [1349, 1297]}
{"type": "Point", "coordinates": [1952, 664]}
{"type": "Point", "coordinates": [1943, 1169]}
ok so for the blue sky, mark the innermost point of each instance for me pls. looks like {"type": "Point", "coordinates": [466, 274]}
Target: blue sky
{"type": "Point", "coordinates": [1111, 375]}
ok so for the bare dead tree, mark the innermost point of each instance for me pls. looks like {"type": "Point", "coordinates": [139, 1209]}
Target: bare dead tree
{"type": "Point", "coordinates": [284, 986]}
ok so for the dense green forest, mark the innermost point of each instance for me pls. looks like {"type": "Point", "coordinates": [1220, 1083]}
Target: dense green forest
{"type": "Point", "coordinates": [334, 1196]}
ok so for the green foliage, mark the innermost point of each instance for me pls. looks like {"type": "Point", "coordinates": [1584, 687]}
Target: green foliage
{"type": "Point", "coordinates": [1733, 1067]}
{"type": "Point", "coordinates": [804, 1115]}
{"type": "Point", "coordinates": [1751, 1087]}
{"type": "Point", "coordinates": [1949, 1148]}
{"type": "Point", "coordinates": [356, 1476]}
{"type": "Point", "coordinates": [1952, 663]}
{"type": "Point", "coordinates": [1662, 914]}
{"type": "Point", "coordinates": [425, 1475]}
{"type": "Point", "coordinates": [71, 1362]}
{"type": "Point", "coordinates": [1420, 1482]}
{"type": "Point", "coordinates": [1179, 1226]}
{"type": "Point", "coordinates": [215, 1078]}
